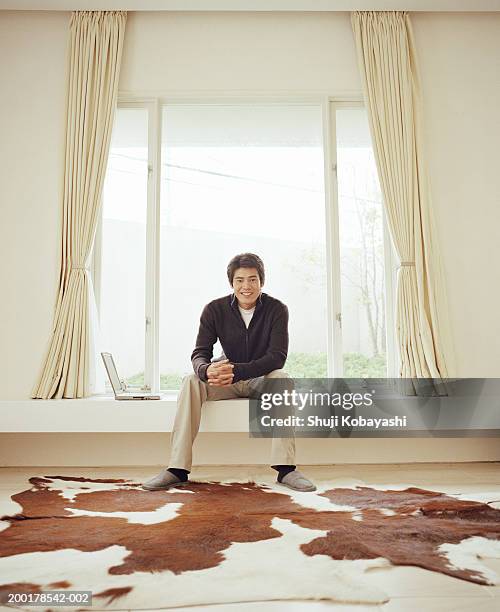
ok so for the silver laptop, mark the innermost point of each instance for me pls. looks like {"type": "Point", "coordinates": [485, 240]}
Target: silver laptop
{"type": "Point", "coordinates": [119, 387]}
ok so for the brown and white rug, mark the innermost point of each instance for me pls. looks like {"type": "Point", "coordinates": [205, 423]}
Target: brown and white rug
{"type": "Point", "coordinates": [224, 542]}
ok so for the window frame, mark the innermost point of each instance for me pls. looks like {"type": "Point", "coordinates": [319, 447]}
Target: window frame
{"type": "Point", "coordinates": [329, 105]}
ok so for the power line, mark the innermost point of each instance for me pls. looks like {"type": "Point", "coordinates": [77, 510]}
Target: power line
{"type": "Point", "coordinates": [235, 177]}
{"type": "Point", "coordinates": [231, 176]}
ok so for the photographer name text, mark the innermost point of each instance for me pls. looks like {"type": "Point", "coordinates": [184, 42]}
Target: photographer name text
{"type": "Point", "coordinates": [347, 420]}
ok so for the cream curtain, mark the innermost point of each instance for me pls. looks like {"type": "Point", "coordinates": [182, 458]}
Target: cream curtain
{"type": "Point", "coordinates": [387, 61]}
{"type": "Point", "coordinates": [96, 44]}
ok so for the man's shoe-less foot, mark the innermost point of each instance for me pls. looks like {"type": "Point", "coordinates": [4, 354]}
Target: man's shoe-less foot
{"type": "Point", "coordinates": [297, 481]}
{"type": "Point", "coordinates": [164, 480]}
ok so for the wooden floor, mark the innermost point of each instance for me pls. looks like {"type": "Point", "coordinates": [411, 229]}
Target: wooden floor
{"type": "Point", "coordinates": [410, 589]}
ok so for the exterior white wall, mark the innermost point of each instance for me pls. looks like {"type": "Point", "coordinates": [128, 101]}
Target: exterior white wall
{"type": "Point", "coordinates": [248, 52]}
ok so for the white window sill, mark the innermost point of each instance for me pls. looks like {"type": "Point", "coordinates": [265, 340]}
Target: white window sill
{"type": "Point", "coordinates": [105, 414]}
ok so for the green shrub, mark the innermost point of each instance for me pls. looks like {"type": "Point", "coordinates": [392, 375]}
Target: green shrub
{"type": "Point", "coordinates": [357, 365]}
{"type": "Point", "coordinates": [137, 380]}
{"type": "Point", "coordinates": [306, 365]}
{"type": "Point", "coordinates": [298, 365]}
{"type": "Point", "coordinates": [170, 382]}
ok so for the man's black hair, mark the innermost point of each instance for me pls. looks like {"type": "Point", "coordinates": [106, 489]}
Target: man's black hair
{"type": "Point", "coordinates": [246, 260]}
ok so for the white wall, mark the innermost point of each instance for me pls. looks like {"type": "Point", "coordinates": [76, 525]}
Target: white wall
{"type": "Point", "coordinates": [460, 72]}
{"type": "Point", "coordinates": [133, 449]}
{"type": "Point", "coordinates": [233, 51]}
{"type": "Point", "coordinates": [33, 66]}
{"type": "Point", "coordinates": [168, 52]}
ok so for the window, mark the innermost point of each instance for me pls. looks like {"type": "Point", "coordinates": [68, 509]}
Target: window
{"type": "Point", "coordinates": [190, 185]}
{"type": "Point", "coordinates": [122, 287]}
{"type": "Point", "coordinates": [363, 249]}
{"type": "Point", "coordinates": [242, 178]}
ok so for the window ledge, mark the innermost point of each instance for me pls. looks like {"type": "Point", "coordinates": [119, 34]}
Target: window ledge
{"type": "Point", "coordinates": [105, 414]}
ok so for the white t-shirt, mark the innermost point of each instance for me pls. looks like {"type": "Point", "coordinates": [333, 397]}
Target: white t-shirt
{"type": "Point", "coordinates": [247, 315]}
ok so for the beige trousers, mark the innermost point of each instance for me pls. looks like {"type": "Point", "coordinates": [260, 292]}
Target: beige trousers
{"type": "Point", "coordinates": [187, 419]}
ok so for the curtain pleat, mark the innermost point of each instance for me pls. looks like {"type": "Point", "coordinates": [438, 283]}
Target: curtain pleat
{"type": "Point", "coordinates": [96, 45]}
{"type": "Point", "coordinates": [389, 73]}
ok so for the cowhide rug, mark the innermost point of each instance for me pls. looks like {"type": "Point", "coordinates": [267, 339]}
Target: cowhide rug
{"type": "Point", "coordinates": [234, 542]}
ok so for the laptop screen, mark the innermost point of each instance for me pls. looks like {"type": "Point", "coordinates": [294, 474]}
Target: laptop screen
{"type": "Point", "coordinates": [112, 373]}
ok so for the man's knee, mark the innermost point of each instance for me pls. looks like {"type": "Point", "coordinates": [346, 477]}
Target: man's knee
{"type": "Point", "coordinates": [192, 390]}
{"type": "Point", "coordinates": [191, 380]}
{"type": "Point", "coordinates": [277, 374]}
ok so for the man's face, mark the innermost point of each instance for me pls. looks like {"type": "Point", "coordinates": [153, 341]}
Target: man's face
{"type": "Point", "coordinates": [246, 285]}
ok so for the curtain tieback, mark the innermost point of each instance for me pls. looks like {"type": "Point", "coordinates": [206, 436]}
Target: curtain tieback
{"type": "Point", "coordinates": [406, 264]}
{"type": "Point", "coordinates": [78, 268]}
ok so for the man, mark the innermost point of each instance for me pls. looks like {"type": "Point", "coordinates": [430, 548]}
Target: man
{"type": "Point", "coordinates": [253, 330]}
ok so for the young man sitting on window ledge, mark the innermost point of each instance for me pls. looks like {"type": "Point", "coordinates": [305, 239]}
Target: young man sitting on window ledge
{"type": "Point", "coordinates": [253, 331]}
